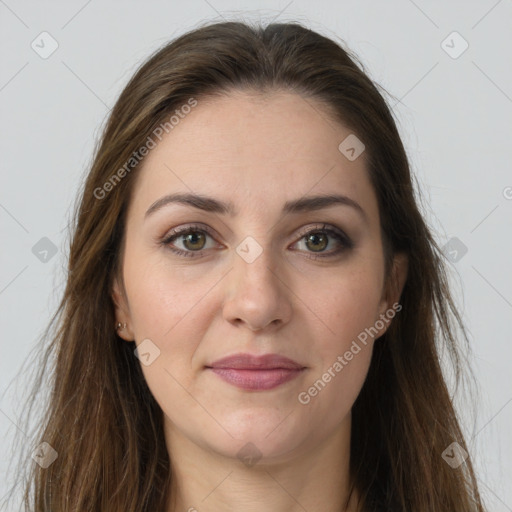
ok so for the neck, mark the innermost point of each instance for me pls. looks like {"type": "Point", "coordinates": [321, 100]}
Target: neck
{"type": "Point", "coordinates": [313, 478]}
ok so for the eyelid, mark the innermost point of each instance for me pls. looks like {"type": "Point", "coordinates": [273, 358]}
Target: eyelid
{"type": "Point", "coordinates": [183, 230]}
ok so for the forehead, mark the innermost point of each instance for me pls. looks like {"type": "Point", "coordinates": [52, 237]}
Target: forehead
{"type": "Point", "coordinates": [273, 148]}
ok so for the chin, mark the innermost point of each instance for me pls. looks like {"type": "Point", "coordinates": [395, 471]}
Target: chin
{"type": "Point", "coordinates": [268, 436]}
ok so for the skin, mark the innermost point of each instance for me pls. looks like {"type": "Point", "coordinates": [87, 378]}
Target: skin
{"type": "Point", "coordinates": [258, 152]}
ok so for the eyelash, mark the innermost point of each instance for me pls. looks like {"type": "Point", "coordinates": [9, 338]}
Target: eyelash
{"type": "Point", "coordinates": [343, 239]}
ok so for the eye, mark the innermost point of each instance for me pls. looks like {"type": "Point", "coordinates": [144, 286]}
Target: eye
{"type": "Point", "coordinates": [317, 240]}
{"type": "Point", "coordinates": [193, 239]}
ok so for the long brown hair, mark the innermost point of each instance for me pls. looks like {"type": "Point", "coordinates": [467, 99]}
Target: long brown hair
{"type": "Point", "coordinates": [101, 418]}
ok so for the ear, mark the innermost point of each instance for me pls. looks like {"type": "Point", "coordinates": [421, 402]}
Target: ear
{"type": "Point", "coordinates": [393, 288]}
{"type": "Point", "coordinates": [122, 312]}
{"type": "Point", "coordinates": [397, 279]}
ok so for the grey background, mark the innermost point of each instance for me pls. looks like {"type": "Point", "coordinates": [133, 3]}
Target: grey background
{"type": "Point", "coordinates": [455, 118]}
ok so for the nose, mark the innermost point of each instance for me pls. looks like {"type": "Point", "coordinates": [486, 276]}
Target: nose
{"type": "Point", "coordinates": [257, 294]}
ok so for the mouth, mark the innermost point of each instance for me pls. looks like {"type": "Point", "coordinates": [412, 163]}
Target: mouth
{"type": "Point", "coordinates": [255, 373]}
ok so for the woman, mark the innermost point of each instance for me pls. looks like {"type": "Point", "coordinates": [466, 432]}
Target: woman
{"type": "Point", "coordinates": [254, 302]}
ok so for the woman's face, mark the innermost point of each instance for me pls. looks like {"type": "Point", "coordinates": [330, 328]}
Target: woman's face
{"type": "Point", "coordinates": [258, 277]}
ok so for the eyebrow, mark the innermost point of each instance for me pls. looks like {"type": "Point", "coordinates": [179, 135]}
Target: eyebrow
{"type": "Point", "coordinates": [209, 204]}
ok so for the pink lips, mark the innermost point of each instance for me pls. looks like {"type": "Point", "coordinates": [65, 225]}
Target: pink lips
{"type": "Point", "coordinates": [256, 372]}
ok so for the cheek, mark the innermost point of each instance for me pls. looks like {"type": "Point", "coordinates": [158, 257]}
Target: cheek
{"type": "Point", "coordinates": [162, 304]}
{"type": "Point", "coordinates": [348, 308]}
{"type": "Point", "coordinates": [343, 353]}
{"type": "Point", "coordinates": [162, 296]}
{"type": "Point", "coordinates": [348, 304]}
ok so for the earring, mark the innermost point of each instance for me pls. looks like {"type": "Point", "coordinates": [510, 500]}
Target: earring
{"type": "Point", "coordinates": [120, 326]}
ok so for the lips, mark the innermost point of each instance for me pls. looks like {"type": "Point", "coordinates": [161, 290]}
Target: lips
{"type": "Point", "coordinates": [250, 362]}
{"type": "Point", "coordinates": [256, 372]}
